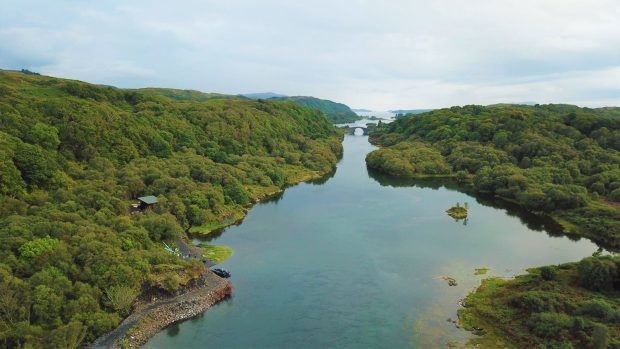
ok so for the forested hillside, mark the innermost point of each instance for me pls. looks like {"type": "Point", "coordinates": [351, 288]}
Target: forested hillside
{"type": "Point", "coordinates": [573, 305]}
{"type": "Point", "coordinates": [559, 160]}
{"type": "Point", "coordinates": [185, 95]}
{"type": "Point", "coordinates": [74, 156]}
{"type": "Point", "coordinates": [555, 159]}
{"type": "Point", "coordinates": [338, 113]}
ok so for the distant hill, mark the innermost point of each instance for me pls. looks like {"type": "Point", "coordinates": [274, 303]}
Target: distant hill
{"type": "Point", "coordinates": [338, 113]}
{"type": "Point", "coordinates": [362, 110]}
{"type": "Point", "coordinates": [610, 112]}
{"type": "Point", "coordinates": [185, 95]}
{"type": "Point", "coordinates": [262, 95]}
{"type": "Point", "coordinates": [402, 112]}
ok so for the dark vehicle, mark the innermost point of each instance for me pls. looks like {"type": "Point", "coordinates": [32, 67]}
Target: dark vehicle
{"type": "Point", "coordinates": [221, 273]}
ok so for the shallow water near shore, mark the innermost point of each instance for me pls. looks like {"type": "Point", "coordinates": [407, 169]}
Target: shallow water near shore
{"type": "Point", "coordinates": [357, 261]}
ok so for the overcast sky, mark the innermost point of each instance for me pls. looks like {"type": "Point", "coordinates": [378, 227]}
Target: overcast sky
{"type": "Point", "coordinates": [368, 54]}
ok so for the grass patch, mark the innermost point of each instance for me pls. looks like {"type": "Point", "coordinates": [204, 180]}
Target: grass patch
{"type": "Point", "coordinates": [481, 271]}
{"type": "Point", "coordinates": [216, 254]}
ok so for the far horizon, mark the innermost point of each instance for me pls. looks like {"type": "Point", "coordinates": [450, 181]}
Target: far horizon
{"type": "Point", "coordinates": [353, 108]}
{"type": "Point", "coordinates": [366, 55]}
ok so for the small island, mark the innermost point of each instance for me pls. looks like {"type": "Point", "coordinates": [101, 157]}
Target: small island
{"type": "Point", "coordinates": [458, 212]}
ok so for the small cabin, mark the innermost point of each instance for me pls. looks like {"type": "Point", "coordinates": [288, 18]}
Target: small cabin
{"type": "Point", "coordinates": [144, 203]}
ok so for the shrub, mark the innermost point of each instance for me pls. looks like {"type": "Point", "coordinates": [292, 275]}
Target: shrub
{"type": "Point", "coordinates": [596, 308]}
{"type": "Point", "coordinates": [120, 298]}
{"type": "Point", "coordinates": [598, 273]}
{"type": "Point", "coordinates": [553, 325]}
{"type": "Point", "coordinates": [536, 301]}
{"type": "Point", "coordinates": [171, 282]}
{"type": "Point", "coordinates": [548, 273]}
{"type": "Point", "coordinates": [600, 337]}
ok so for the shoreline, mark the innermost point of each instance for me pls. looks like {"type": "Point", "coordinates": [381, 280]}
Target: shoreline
{"type": "Point", "coordinates": [263, 197]}
{"type": "Point", "coordinates": [148, 319]}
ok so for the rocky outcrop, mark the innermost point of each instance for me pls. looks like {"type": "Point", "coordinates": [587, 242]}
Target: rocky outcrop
{"type": "Point", "coordinates": [150, 318]}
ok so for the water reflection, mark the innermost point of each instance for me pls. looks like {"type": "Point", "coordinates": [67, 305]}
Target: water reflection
{"type": "Point", "coordinates": [532, 221]}
{"type": "Point", "coordinates": [356, 259]}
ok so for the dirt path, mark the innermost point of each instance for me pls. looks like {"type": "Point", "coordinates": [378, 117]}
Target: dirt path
{"type": "Point", "coordinates": [166, 312]}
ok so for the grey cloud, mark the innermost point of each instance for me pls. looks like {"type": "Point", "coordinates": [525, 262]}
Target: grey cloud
{"type": "Point", "coordinates": [373, 54]}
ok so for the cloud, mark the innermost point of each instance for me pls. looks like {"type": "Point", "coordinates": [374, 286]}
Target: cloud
{"type": "Point", "coordinates": [392, 54]}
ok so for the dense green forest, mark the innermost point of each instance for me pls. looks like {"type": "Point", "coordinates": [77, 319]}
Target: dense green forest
{"type": "Point", "coordinates": [74, 158]}
{"type": "Point", "coordinates": [559, 160]}
{"type": "Point", "coordinates": [574, 305]}
{"type": "Point", "coordinates": [184, 95]}
{"type": "Point", "coordinates": [338, 113]}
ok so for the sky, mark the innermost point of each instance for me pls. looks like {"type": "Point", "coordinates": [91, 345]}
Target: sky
{"type": "Point", "coordinates": [377, 55]}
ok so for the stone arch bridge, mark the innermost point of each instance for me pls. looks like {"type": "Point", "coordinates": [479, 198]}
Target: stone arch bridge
{"type": "Point", "coordinates": [365, 128]}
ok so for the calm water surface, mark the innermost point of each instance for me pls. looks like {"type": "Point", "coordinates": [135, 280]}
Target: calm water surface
{"type": "Point", "coordinates": [357, 261]}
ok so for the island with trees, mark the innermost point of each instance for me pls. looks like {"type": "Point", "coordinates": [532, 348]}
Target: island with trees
{"type": "Point", "coordinates": [74, 159]}
{"type": "Point", "coordinates": [458, 212]}
{"type": "Point", "coordinates": [561, 161]}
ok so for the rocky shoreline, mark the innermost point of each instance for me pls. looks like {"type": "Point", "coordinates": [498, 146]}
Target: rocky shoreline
{"type": "Point", "coordinates": [150, 318]}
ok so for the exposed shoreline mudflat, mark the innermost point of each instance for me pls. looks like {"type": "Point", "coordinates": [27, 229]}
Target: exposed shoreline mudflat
{"type": "Point", "coordinates": [150, 318]}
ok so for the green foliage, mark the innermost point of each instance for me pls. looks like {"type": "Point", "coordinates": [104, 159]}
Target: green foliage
{"type": "Point", "coordinates": [34, 164]}
{"type": "Point", "coordinates": [600, 273]}
{"type": "Point", "coordinates": [600, 309]}
{"type": "Point", "coordinates": [338, 113]}
{"type": "Point", "coordinates": [458, 212]}
{"type": "Point", "coordinates": [120, 298]}
{"type": "Point", "coordinates": [69, 336]}
{"type": "Point", "coordinates": [557, 159]}
{"type": "Point", "coordinates": [549, 325]}
{"type": "Point", "coordinates": [525, 312]}
{"type": "Point", "coordinates": [409, 159]}
{"type": "Point", "coordinates": [548, 273]}
{"type": "Point", "coordinates": [73, 158]}
{"type": "Point", "coordinates": [171, 282]}
{"type": "Point", "coordinates": [216, 254]}
{"type": "Point", "coordinates": [37, 247]}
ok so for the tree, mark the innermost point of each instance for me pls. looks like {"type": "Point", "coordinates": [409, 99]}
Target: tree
{"type": "Point", "coordinates": [548, 273]}
{"type": "Point", "coordinates": [598, 273]}
{"type": "Point", "coordinates": [11, 182]}
{"type": "Point", "coordinates": [46, 306]}
{"type": "Point", "coordinates": [33, 163]}
{"type": "Point", "coordinates": [37, 247]}
{"type": "Point", "coordinates": [69, 336]}
{"type": "Point", "coordinates": [120, 298]}
{"type": "Point", "coordinates": [44, 135]}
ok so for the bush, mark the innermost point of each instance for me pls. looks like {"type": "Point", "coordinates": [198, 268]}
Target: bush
{"type": "Point", "coordinates": [598, 273]}
{"type": "Point", "coordinates": [548, 273]}
{"type": "Point", "coordinates": [171, 282]}
{"type": "Point", "coordinates": [600, 337]}
{"type": "Point", "coordinates": [120, 298]}
{"type": "Point", "coordinates": [536, 301]}
{"type": "Point", "coordinates": [549, 325]}
{"type": "Point", "coordinates": [600, 309]}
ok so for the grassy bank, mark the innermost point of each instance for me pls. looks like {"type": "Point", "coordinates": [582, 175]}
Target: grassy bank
{"type": "Point", "coordinates": [574, 305]}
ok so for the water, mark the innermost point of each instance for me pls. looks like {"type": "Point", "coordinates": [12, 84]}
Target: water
{"type": "Point", "coordinates": [357, 261]}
